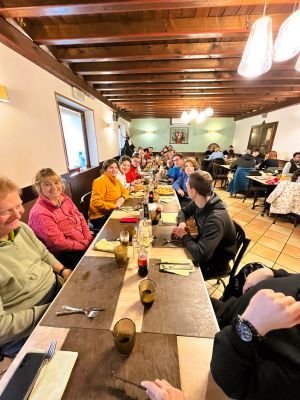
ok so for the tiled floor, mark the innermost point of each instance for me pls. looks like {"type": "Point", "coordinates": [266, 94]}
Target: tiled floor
{"type": "Point", "coordinates": [275, 245]}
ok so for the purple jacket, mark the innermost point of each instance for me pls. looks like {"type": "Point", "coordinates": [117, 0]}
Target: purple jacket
{"type": "Point", "coordinates": [60, 228]}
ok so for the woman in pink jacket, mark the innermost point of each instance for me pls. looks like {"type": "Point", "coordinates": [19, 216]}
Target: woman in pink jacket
{"type": "Point", "coordinates": [56, 221]}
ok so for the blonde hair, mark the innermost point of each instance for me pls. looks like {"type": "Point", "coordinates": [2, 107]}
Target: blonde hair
{"type": "Point", "coordinates": [192, 161]}
{"type": "Point", "coordinates": [43, 174]}
{"type": "Point", "coordinates": [7, 186]}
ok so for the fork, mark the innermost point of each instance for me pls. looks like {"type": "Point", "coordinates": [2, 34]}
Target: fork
{"type": "Point", "coordinates": [90, 312]}
{"type": "Point", "coordinates": [47, 357]}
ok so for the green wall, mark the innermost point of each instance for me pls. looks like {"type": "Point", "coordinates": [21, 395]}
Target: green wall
{"type": "Point", "coordinates": [199, 138]}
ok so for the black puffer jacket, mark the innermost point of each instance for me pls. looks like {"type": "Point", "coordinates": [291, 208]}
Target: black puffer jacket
{"type": "Point", "coordinates": [215, 245]}
{"type": "Point", "coordinates": [245, 161]}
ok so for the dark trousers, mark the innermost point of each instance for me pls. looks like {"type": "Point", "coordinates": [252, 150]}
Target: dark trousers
{"type": "Point", "coordinates": [70, 258]}
{"type": "Point", "coordinates": [99, 222]}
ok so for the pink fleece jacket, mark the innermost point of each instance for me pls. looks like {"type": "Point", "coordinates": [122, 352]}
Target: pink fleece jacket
{"type": "Point", "coordinates": [60, 228]}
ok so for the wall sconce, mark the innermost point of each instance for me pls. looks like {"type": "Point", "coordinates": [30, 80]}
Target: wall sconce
{"type": "Point", "coordinates": [213, 131]}
{"type": "Point", "coordinates": [3, 94]}
{"type": "Point", "coordinates": [149, 131]}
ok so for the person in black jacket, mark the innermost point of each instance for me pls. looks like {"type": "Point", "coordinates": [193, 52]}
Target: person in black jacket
{"type": "Point", "coordinates": [215, 244]}
{"type": "Point", "coordinates": [256, 356]}
{"type": "Point", "coordinates": [245, 161]}
{"type": "Point", "coordinates": [270, 161]}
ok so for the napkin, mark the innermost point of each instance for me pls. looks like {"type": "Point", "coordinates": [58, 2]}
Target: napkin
{"type": "Point", "coordinates": [169, 218]}
{"type": "Point", "coordinates": [129, 219]}
{"type": "Point", "coordinates": [166, 199]}
{"type": "Point", "coordinates": [105, 245]}
{"type": "Point", "coordinates": [178, 267]}
{"type": "Point", "coordinates": [54, 376]}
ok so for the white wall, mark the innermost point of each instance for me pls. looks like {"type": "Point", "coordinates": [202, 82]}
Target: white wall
{"type": "Point", "coordinates": [30, 133]}
{"type": "Point", "coordinates": [287, 139]}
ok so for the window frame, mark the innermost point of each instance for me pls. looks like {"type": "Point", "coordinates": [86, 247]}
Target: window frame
{"type": "Point", "coordinates": [85, 136]}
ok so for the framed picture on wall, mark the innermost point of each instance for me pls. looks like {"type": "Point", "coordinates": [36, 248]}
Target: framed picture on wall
{"type": "Point", "coordinates": [179, 135]}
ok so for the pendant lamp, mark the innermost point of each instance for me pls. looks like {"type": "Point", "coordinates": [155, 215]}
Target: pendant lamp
{"type": "Point", "coordinates": [287, 43]}
{"type": "Point", "coordinates": [201, 117]}
{"type": "Point", "coordinates": [185, 117]}
{"type": "Point", "coordinates": [193, 114]}
{"type": "Point", "coordinates": [297, 67]}
{"type": "Point", "coordinates": [209, 112]}
{"type": "Point", "coordinates": [257, 56]}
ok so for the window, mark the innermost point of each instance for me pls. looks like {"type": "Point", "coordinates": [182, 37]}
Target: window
{"type": "Point", "coordinates": [75, 138]}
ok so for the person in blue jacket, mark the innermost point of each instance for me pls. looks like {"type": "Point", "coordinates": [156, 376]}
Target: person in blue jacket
{"type": "Point", "coordinates": [190, 165]}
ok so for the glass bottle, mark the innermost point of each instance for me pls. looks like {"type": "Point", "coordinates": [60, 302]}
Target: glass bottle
{"type": "Point", "coordinates": [143, 262]}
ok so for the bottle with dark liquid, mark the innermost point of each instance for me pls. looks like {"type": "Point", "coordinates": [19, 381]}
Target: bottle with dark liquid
{"type": "Point", "coordinates": [146, 209]}
{"type": "Point", "coordinates": [143, 262]}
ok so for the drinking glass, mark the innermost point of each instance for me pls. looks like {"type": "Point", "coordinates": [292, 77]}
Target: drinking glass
{"type": "Point", "coordinates": [124, 336]}
{"type": "Point", "coordinates": [124, 237]}
{"type": "Point", "coordinates": [121, 255]}
{"type": "Point", "coordinates": [147, 290]}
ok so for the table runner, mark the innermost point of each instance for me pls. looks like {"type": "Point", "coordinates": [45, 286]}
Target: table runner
{"type": "Point", "coordinates": [153, 356]}
{"type": "Point", "coordinates": [96, 282]}
{"type": "Point", "coordinates": [182, 306]}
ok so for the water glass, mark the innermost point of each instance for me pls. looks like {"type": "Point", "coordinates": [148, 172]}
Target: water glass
{"type": "Point", "coordinates": [121, 255]}
{"type": "Point", "coordinates": [124, 237]}
{"type": "Point", "coordinates": [124, 336]}
{"type": "Point", "coordinates": [147, 290]}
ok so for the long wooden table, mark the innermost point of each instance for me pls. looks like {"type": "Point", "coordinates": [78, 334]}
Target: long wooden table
{"type": "Point", "coordinates": [174, 337]}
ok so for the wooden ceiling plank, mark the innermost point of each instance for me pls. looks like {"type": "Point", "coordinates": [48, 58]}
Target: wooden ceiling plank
{"type": "Point", "coordinates": [160, 29]}
{"type": "Point", "coordinates": [102, 7]}
{"type": "Point", "coordinates": [18, 42]}
{"type": "Point", "coordinates": [151, 52]}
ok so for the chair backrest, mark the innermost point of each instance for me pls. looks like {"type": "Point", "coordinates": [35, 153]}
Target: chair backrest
{"type": "Point", "coordinates": [242, 242]}
{"type": "Point", "coordinates": [85, 204]}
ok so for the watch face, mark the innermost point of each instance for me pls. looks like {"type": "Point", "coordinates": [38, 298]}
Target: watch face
{"type": "Point", "coordinates": [243, 331]}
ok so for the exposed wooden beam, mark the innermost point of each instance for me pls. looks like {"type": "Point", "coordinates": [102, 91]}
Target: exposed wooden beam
{"type": "Point", "coordinates": [273, 75]}
{"type": "Point", "coordinates": [236, 85]}
{"type": "Point", "coordinates": [169, 51]}
{"type": "Point", "coordinates": [275, 107]}
{"type": "Point", "coordinates": [101, 7]}
{"type": "Point", "coordinates": [150, 30]}
{"type": "Point", "coordinates": [15, 40]}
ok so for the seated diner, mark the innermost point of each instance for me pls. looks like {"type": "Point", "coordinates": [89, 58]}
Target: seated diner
{"type": "Point", "coordinates": [56, 221]}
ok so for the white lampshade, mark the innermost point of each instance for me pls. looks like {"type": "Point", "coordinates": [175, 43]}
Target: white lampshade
{"type": "Point", "coordinates": [209, 112]}
{"type": "Point", "coordinates": [298, 64]}
{"type": "Point", "coordinates": [201, 117]}
{"type": "Point", "coordinates": [185, 117]}
{"type": "Point", "coordinates": [257, 56]}
{"type": "Point", "coordinates": [287, 43]}
{"type": "Point", "coordinates": [193, 114]}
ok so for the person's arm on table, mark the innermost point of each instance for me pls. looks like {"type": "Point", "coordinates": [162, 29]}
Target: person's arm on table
{"type": "Point", "coordinates": [262, 274]}
{"type": "Point", "coordinates": [239, 366]}
{"type": "Point", "coordinates": [162, 390]}
{"type": "Point", "coordinates": [203, 249]}
{"type": "Point", "coordinates": [184, 214]}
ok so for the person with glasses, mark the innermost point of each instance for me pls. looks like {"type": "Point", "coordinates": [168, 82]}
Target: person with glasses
{"type": "Point", "coordinates": [175, 171]}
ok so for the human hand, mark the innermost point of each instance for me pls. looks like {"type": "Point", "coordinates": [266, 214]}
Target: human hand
{"type": "Point", "coordinates": [180, 192]}
{"type": "Point", "coordinates": [119, 202]}
{"type": "Point", "coordinates": [66, 273]}
{"type": "Point", "coordinates": [268, 311]}
{"type": "Point", "coordinates": [182, 225]}
{"type": "Point", "coordinates": [162, 390]}
{"type": "Point", "coordinates": [179, 232]}
{"type": "Point", "coordinates": [257, 276]}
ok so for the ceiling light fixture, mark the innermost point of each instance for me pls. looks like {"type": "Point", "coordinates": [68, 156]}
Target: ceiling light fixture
{"type": "Point", "coordinates": [287, 43]}
{"type": "Point", "coordinates": [257, 56]}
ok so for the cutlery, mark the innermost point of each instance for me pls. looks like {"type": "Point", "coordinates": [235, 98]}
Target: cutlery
{"type": "Point", "coordinates": [90, 312]}
{"type": "Point", "coordinates": [47, 357]}
{"type": "Point", "coordinates": [115, 375]}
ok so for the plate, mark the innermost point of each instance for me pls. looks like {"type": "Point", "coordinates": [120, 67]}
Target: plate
{"type": "Point", "coordinates": [165, 191]}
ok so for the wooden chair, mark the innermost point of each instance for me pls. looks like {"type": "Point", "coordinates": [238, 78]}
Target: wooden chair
{"type": "Point", "coordinates": [218, 174]}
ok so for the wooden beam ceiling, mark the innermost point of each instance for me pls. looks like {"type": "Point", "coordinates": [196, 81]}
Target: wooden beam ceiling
{"type": "Point", "coordinates": [156, 57]}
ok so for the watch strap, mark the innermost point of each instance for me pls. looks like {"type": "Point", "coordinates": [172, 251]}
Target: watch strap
{"type": "Point", "coordinates": [60, 273]}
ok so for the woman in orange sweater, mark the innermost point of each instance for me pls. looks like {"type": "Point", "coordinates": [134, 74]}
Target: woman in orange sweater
{"type": "Point", "coordinates": [107, 195]}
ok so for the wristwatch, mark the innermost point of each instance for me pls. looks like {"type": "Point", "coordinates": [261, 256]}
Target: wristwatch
{"type": "Point", "coordinates": [245, 330]}
{"type": "Point", "coordinates": [60, 273]}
